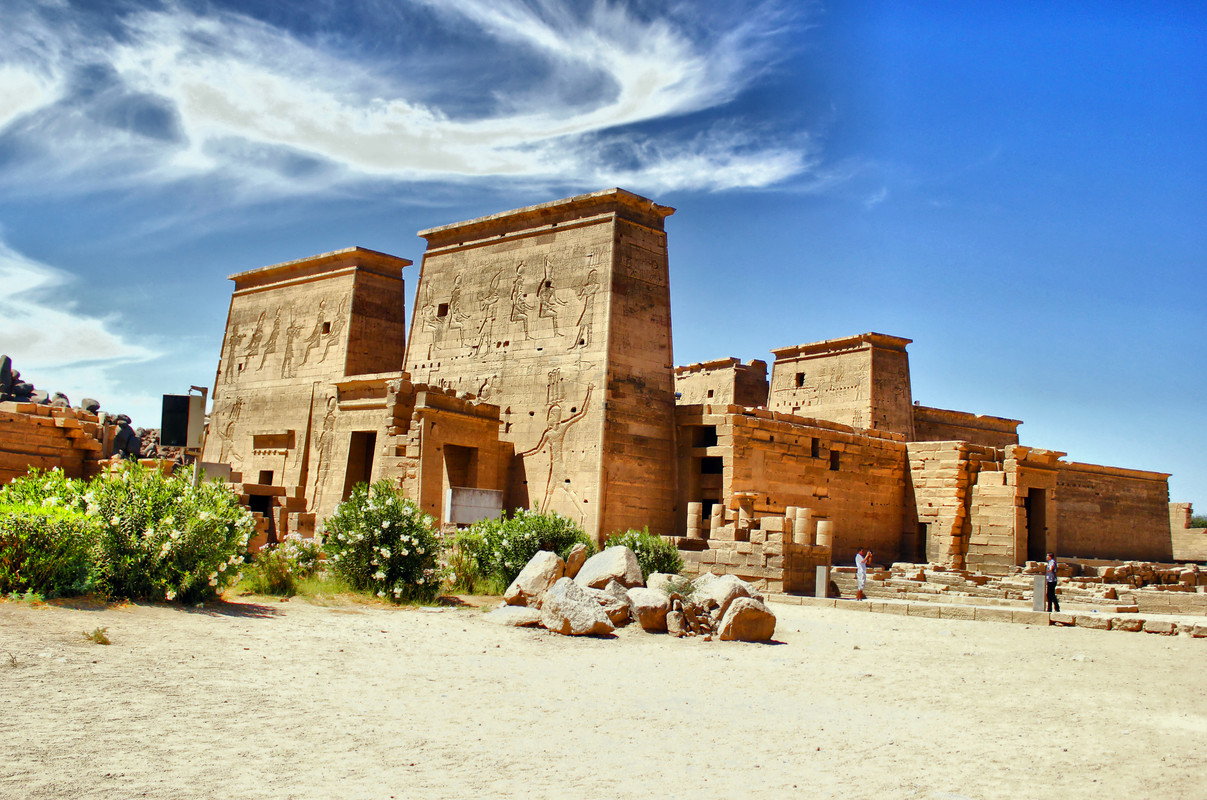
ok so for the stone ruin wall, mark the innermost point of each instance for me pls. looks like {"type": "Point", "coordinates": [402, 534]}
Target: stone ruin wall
{"type": "Point", "coordinates": [860, 381]}
{"type": "Point", "coordinates": [725, 381]}
{"type": "Point", "coordinates": [1107, 512]}
{"type": "Point", "coordinates": [777, 464]}
{"type": "Point", "coordinates": [560, 315]}
{"type": "Point", "coordinates": [45, 437]}
{"type": "Point", "coordinates": [1188, 544]}
{"type": "Point", "coordinates": [942, 425]}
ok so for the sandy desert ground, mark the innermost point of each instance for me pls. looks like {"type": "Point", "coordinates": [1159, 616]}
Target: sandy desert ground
{"type": "Point", "coordinates": [267, 699]}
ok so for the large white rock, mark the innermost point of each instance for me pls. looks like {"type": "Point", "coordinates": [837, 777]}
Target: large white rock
{"type": "Point", "coordinates": [721, 590]}
{"type": "Point", "coordinates": [515, 616]}
{"type": "Point", "coordinates": [567, 609]}
{"type": "Point", "coordinates": [613, 564]}
{"type": "Point", "coordinates": [747, 620]}
{"type": "Point", "coordinates": [614, 603]}
{"type": "Point", "coordinates": [575, 559]}
{"type": "Point", "coordinates": [541, 572]}
{"type": "Point", "coordinates": [659, 580]}
{"type": "Point", "coordinates": [649, 607]}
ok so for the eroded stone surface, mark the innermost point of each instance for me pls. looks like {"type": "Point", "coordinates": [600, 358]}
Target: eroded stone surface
{"type": "Point", "coordinates": [568, 609]}
{"type": "Point", "coordinates": [616, 563]}
{"type": "Point", "coordinates": [542, 571]}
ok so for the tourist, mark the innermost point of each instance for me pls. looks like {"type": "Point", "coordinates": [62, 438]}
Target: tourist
{"type": "Point", "coordinates": [862, 557]}
{"type": "Point", "coordinates": [1052, 603]}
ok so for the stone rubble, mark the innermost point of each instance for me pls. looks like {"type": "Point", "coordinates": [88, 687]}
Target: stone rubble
{"type": "Point", "coordinates": [607, 593]}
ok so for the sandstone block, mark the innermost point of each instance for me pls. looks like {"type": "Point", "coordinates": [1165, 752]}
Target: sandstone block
{"type": "Point", "coordinates": [575, 560]}
{"type": "Point", "coordinates": [567, 609]}
{"type": "Point", "coordinates": [1095, 621]}
{"type": "Point", "coordinates": [515, 616]}
{"type": "Point", "coordinates": [1159, 626]}
{"type": "Point", "coordinates": [613, 564]}
{"type": "Point", "coordinates": [1129, 624]}
{"type": "Point", "coordinates": [747, 620]}
{"type": "Point", "coordinates": [541, 572]}
{"type": "Point", "coordinates": [649, 608]}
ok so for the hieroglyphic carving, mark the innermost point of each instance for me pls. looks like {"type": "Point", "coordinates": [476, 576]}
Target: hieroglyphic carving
{"type": "Point", "coordinates": [553, 439]}
{"type": "Point", "coordinates": [555, 390]}
{"type": "Point", "coordinates": [549, 304]}
{"type": "Point", "coordinates": [519, 305]}
{"type": "Point", "coordinates": [456, 317]}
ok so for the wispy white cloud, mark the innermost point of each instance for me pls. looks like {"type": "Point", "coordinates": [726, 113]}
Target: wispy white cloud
{"type": "Point", "coordinates": [177, 95]}
{"type": "Point", "coordinates": [58, 348]}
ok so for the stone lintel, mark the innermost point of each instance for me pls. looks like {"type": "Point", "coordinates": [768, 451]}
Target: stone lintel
{"type": "Point", "coordinates": [361, 258]}
{"type": "Point", "coordinates": [609, 202]}
{"type": "Point", "coordinates": [1098, 469]}
{"type": "Point", "coordinates": [968, 419]}
{"type": "Point", "coordinates": [847, 343]}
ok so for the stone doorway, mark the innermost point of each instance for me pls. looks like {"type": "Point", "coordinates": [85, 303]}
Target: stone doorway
{"type": "Point", "coordinates": [1035, 505]}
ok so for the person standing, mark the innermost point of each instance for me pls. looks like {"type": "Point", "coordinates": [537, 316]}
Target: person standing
{"type": "Point", "coordinates": [1052, 603]}
{"type": "Point", "coordinates": [862, 557]}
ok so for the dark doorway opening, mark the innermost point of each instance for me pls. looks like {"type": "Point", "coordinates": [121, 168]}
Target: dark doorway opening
{"type": "Point", "coordinates": [360, 460]}
{"type": "Point", "coordinates": [1036, 506]}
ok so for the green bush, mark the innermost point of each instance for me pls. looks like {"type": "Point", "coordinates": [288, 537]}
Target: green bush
{"type": "Point", "coordinates": [279, 567]}
{"type": "Point", "coordinates": [163, 538]}
{"type": "Point", "coordinates": [379, 541]}
{"type": "Point", "coordinates": [156, 537]}
{"type": "Point", "coordinates": [654, 553]}
{"type": "Point", "coordinates": [45, 550]}
{"type": "Point", "coordinates": [493, 551]}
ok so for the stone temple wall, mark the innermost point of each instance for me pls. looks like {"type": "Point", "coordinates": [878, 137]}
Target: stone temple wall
{"type": "Point", "coordinates": [1106, 512]}
{"type": "Point", "coordinates": [560, 315]}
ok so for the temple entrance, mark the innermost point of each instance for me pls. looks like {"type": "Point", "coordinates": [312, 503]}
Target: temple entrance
{"type": "Point", "coordinates": [1036, 506]}
{"type": "Point", "coordinates": [360, 460]}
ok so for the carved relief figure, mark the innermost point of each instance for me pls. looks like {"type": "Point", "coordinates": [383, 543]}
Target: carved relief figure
{"type": "Point", "coordinates": [487, 306]}
{"type": "Point", "coordinates": [288, 370]}
{"type": "Point", "coordinates": [586, 318]}
{"type": "Point", "coordinates": [519, 306]}
{"type": "Point", "coordinates": [553, 439]}
{"type": "Point", "coordinates": [456, 317]}
{"type": "Point", "coordinates": [547, 300]}
{"type": "Point", "coordinates": [316, 335]}
{"type": "Point", "coordinates": [337, 325]}
{"type": "Point", "coordinates": [236, 339]}
{"type": "Point", "coordinates": [227, 453]}
{"type": "Point", "coordinates": [323, 446]}
{"type": "Point", "coordinates": [257, 338]}
{"type": "Point", "coordinates": [270, 346]}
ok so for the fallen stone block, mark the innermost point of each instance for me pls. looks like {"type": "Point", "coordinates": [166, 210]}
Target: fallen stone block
{"type": "Point", "coordinates": [1160, 626]}
{"type": "Point", "coordinates": [541, 572]}
{"type": "Point", "coordinates": [515, 616]}
{"type": "Point", "coordinates": [747, 620]}
{"type": "Point", "coordinates": [649, 608]}
{"type": "Point", "coordinates": [1129, 624]}
{"type": "Point", "coordinates": [1094, 621]}
{"type": "Point", "coordinates": [613, 564]}
{"type": "Point", "coordinates": [1060, 618]}
{"type": "Point", "coordinates": [568, 610]}
{"type": "Point", "coordinates": [575, 560]}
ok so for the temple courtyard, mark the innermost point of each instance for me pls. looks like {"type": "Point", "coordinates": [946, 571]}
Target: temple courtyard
{"type": "Point", "coordinates": [256, 698]}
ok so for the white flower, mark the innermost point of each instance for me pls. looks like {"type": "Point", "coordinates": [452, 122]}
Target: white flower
{"type": "Point", "coordinates": [213, 581]}
{"type": "Point", "coordinates": [171, 595]}
{"type": "Point", "coordinates": [404, 551]}
{"type": "Point", "coordinates": [385, 524]}
{"type": "Point", "coordinates": [379, 576]}
{"type": "Point", "coordinates": [116, 520]}
{"type": "Point", "coordinates": [222, 567]}
{"type": "Point", "coordinates": [381, 594]}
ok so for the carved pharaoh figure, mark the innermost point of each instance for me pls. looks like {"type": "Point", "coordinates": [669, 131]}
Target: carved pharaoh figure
{"type": "Point", "coordinates": [553, 439]}
{"type": "Point", "coordinates": [548, 303]}
{"type": "Point", "coordinates": [586, 317]}
{"type": "Point", "coordinates": [236, 339]}
{"type": "Point", "coordinates": [316, 335]}
{"type": "Point", "coordinates": [288, 370]}
{"type": "Point", "coordinates": [519, 306]}
{"type": "Point", "coordinates": [270, 345]}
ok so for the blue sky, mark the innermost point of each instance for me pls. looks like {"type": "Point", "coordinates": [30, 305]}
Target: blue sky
{"type": "Point", "coordinates": [1021, 188]}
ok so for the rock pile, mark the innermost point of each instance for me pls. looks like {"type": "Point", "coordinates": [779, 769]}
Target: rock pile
{"type": "Point", "coordinates": [596, 595]}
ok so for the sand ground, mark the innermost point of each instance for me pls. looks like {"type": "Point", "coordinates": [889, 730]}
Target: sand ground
{"type": "Point", "coordinates": [263, 699]}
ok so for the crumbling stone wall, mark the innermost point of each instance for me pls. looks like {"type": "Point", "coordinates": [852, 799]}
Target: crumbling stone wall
{"type": "Point", "coordinates": [725, 381]}
{"type": "Point", "coordinates": [942, 425]}
{"type": "Point", "coordinates": [1108, 512]}
{"type": "Point", "coordinates": [48, 437]}
{"type": "Point", "coordinates": [1188, 544]}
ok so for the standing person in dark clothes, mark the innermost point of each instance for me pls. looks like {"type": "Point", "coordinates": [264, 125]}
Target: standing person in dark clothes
{"type": "Point", "coordinates": [1052, 603]}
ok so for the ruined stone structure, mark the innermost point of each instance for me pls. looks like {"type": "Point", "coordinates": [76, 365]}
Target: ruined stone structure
{"type": "Point", "coordinates": [539, 367]}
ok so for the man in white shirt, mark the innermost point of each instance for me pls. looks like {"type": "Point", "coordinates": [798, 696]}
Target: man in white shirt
{"type": "Point", "coordinates": [1052, 603]}
{"type": "Point", "coordinates": [862, 557]}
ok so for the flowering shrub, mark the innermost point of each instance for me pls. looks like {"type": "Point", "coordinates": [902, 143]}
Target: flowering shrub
{"type": "Point", "coordinates": [278, 567]}
{"type": "Point", "coordinates": [654, 553]}
{"type": "Point", "coordinates": [157, 537]}
{"type": "Point", "coordinates": [44, 550]}
{"type": "Point", "coordinates": [499, 548]}
{"type": "Point", "coordinates": [379, 541]}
